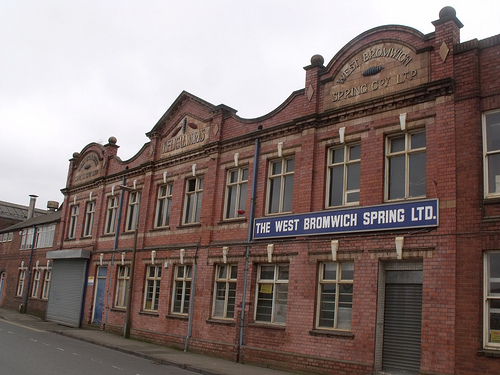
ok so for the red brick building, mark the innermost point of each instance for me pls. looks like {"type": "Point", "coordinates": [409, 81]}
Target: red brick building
{"type": "Point", "coordinates": [354, 229]}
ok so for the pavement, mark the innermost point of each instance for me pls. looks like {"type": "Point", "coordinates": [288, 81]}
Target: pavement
{"type": "Point", "coordinates": [202, 364]}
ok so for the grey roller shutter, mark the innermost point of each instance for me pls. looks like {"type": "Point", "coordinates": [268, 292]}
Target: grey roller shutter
{"type": "Point", "coordinates": [66, 291]}
{"type": "Point", "coordinates": [402, 322]}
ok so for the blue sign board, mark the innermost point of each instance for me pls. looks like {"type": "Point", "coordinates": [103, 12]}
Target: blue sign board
{"type": "Point", "coordinates": [406, 215]}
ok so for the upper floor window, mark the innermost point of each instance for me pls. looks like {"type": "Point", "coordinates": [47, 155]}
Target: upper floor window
{"type": "Point", "coordinates": [192, 204]}
{"type": "Point", "coordinates": [406, 166]}
{"type": "Point", "coordinates": [6, 237]}
{"type": "Point", "coordinates": [89, 218]}
{"type": "Point", "coordinates": [343, 175]}
{"type": "Point", "coordinates": [491, 300]}
{"type": "Point", "coordinates": [163, 206]}
{"type": "Point", "coordinates": [27, 238]}
{"type": "Point", "coordinates": [182, 289]}
{"type": "Point", "coordinates": [280, 185]}
{"type": "Point", "coordinates": [73, 221]}
{"type": "Point", "coordinates": [236, 192]}
{"type": "Point", "coordinates": [133, 210]}
{"type": "Point", "coordinates": [225, 291]}
{"type": "Point", "coordinates": [272, 293]}
{"type": "Point", "coordinates": [491, 150]}
{"type": "Point", "coordinates": [335, 291]}
{"type": "Point", "coordinates": [111, 214]}
{"type": "Point", "coordinates": [45, 236]}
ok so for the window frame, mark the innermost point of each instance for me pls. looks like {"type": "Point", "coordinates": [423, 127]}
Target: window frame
{"type": "Point", "coordinates": [152, 283]}
{"type": "Point", "coordinates": [488, 298]}
{"type": "Point", "coordinates": [182, 289]}
{"type": "Point", "coordinates": [37, 274]}
{"type": "Point", "coordinates": [274, 282]}
{"type": "Point", "coordinates": [45, 236]}
{"type": "Point", "coordinates": [488, 155]}
{"type": "Point", "coordinates": [163, 206]}
{"type": "Point", "coordinates": [111, 212]}
{"type": "Point", "coordinates": [133, 208]}
{"type": "Point", "coordinates": [20, 282]}
{"type": "Point", "coordinates": [73, 220]}
{"type": "Point", "coordinates": [407, 153]}
{"type": "Point", "coordinates": [230, 284]}
{"type": "Point", "coordinates": [345, 164]}
{"type": "Point", "coordinates": [122, 280]}
{"type": "Point", "coordinates": [284, 201]}
{"type": "Point", "coordinates": [337, 282]}
{"type": "Point", "coordinates": [193, 200]}
{"type": "Point", "coordinates": [47, 277]}
{"type": "Point", "coordinates": [89, 218]}
{"type": "Point", "coordinates": [234, 190]}
{"type": "Point", "coordinates": [27, 238]}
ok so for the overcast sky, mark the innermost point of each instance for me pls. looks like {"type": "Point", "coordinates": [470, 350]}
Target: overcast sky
{"type": "Point", "coordinates": [75, 72]}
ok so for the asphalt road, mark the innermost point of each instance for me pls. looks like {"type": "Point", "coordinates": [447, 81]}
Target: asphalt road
{"type": "Point", "coordinates": [27, 351]}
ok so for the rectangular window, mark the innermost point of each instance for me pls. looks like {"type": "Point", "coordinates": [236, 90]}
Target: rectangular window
{"type": "Point", "coordinates": [343, 182]}
{"type": "Point", "coordinates": [27, 238]}
{"type": "Point", "coordinates": [492, 300]}
{"type": "Point", "coordinates": [46, 283]}
{"type": "Point", "coordinates": [6, 237]}
{"type": "Point", "coordinates": [20, 283]}
{"type": "Point", "coordinates": [194, 195]}
{"type": "Point", "coordinates": [111, 214]}
{"type": "Point", "coordinates": [491, 150]}
{"type": "Point", "coordinates": [36, 283]}
{"type": "Point", "coordinates": [236, 192]}
{"type": "Point", "coordinates": [45, 236]}
{"type": "Point", "coordinates": [280, 185]}
{"type": "Point", "coordinates": [406, 166]}
{"type": "Point", "coordinates": [152, 290]}
{"type": "Point", "coordinates": [272, 293]}
{"type": "Point", "coordinates": [121, 286]}
{"type": "Point", "coordinates": [73, 221]}
{"type": "Point", "coordinates": [133, 210]}
{"type": "Point", "coordinates": [89, 219]}
{"type": "Point", "coordinates": [182, 289]}
{"type": "Point", "coordinates": [163, 206]}
{"type": "Point", "coordinates": [335, 295]}
{"type": "Point", "coordinates": [225, 291]}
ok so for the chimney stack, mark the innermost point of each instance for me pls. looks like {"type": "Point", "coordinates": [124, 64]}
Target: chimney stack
{"type": "Point", "coordinates": [31, 209]}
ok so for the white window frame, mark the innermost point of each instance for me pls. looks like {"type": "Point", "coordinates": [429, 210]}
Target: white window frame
{"type": "Point", "coordinates": [278, 298]}
{"type": "Point", "coordinates": [111, 212]}
{"type": "Point", "coordinates": [89, 218]}
{"type": "Point", "coordinates": [46, 283]}
{"type": "Point", "coordinates": [73, 220]}
{"type": "Point", "coordinates": [122, 280]}
{"type": "Point", "coordinates": [491, 151]}
{"type": "Point", "coordinates": [20, 282]}
{"type": "Point", "coordinates": [134, 200]}
{"type": "Point", "coordinates": [346, 165]}
{"type": "Point", "coordinates": [491, 302]}
{"type": "Point", "coordinates": [45, 236]}
{"type": "Point", "coordinates": [224, 302]}
{"type": "Point", "coordinates": [163, 206]}
{"type": "Point", "coordinates": [37, 274]}
{"type": "Point", "coordinates": [193, 200]}
{"type": "Point", "coordinates": [328, 310]}
{"type": "Point", "coordinates": [152, 288]}
{"type": "Point", "coordinates": [407, 155]}
{"type": "Point", "coordinates": [284, 178]}
{"type": "Point", "coordinates": [183, 277]}
{"type": "Point", "coordinates": [27, 238]}
{"type": "Point", "coordinates": [236, 192]}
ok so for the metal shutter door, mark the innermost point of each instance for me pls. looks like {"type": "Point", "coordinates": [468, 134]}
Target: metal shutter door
{"type": "Point", "coordinates": [402, 326]}
{"type": "Point", "coordinates": [66, 291]}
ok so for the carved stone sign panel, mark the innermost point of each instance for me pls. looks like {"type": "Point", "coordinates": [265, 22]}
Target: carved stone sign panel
{"type": "Point", "coordinates": [374, 71]}
{"type": "Point", "coordinates": [188, 134]}
{"type": "Point", "coordinates": [88, 168]}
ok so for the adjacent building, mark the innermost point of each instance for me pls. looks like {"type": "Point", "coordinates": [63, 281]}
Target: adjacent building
{"type": "Point", "coordinates": [354, 229]}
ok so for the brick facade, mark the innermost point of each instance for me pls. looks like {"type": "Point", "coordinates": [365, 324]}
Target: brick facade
{"type": "Point", "coordinates": [387, 82]}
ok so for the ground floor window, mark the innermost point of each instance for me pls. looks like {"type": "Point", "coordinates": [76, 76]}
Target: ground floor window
{"type": "Point", "coordinates": [225, 291]}
{"type": "Point", "coordinates": [121, 286]}
{"type": "Point", "coordinates": [335, 295]}
{"type": "Point", "coordinates": [182, 289]}
{"type": "Point", "coordinates": [20, 283]}
{"type": "Point", "coordinates": [272, 293]}
{"type": "Point", "coordinates": [152, 290]}
{"type": "Point", "coordinates": [492, 300]}
{"type": "Point", "coordinates": [46, 283]}
{"type": "Point", "coordinates": [36, 283]}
